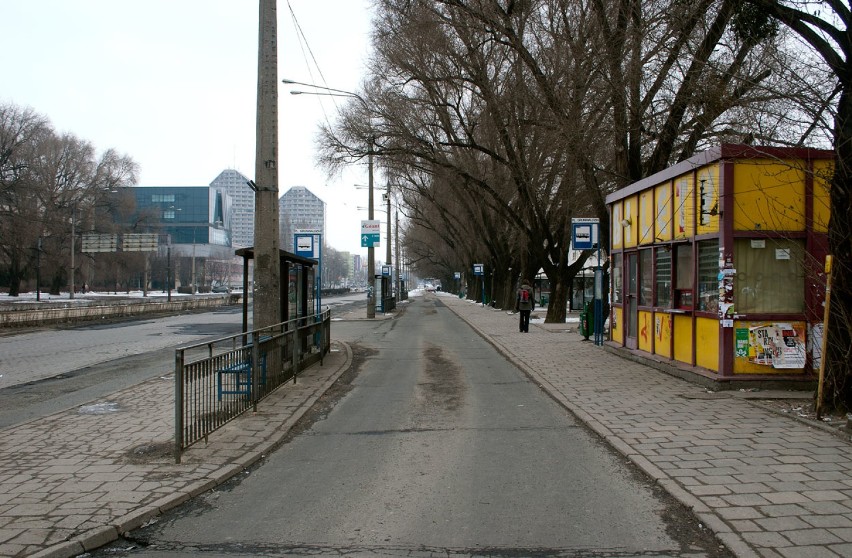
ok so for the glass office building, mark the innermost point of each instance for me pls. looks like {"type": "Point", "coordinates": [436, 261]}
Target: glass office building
{"type": "Point", "coordinates": [187, 214]}
{"type": "Point", "coordinates": [194, 222]}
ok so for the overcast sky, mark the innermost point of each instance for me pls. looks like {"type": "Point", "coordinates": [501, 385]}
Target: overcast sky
{"type": "Point", "coordinates": [172, 84]}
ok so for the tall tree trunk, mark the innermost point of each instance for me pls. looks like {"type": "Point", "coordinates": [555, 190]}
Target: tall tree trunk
{"type": "Point", "coordinates": [15, 276]}
{"type": "Point", "coordinates": [557, 306]}
{"type": "Point", "coordinates": [838, 357]}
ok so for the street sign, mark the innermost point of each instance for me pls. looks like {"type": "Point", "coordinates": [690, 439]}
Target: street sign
{"type": "Point", "coordinates": [386, 271]}
{"type": "Point", "coordinates": [93, 242]}
{"type": "Point", "coordinates": [139, 242]}
{"type": "Point", "coordinates": [371, 233]}
{"type": "Point", "coordinates": [478, 269]}
{"type": "Point", "coordinates": [584, 233]}
{"type": "Point", "coordinates": [308, 244]}
{"type": "Point", "coordinates": [304, 245]}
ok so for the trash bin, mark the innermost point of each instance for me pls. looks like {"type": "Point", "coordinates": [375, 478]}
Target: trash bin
{"type": "Point", "coordinates": [545, 299]}
{"type": "Point", "coordinates": [587, 320]}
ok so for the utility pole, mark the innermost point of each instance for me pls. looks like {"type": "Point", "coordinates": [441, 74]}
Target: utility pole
{"type": "Point", "coordinates": [389, 258]}
{"type": "Point", "coordinates": [396, 249]}
{"type": "Point", "coordinates": [371, 251]}
{"type": "Point", "coordinates": [267, 269]}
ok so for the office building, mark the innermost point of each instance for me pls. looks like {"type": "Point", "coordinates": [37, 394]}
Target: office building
{"type": "Point", "coordinates": [235, 185]}
{"type": "Point", "coordinates": [299, 209]}
{"type": "Point", "coordinates": [193, 225]}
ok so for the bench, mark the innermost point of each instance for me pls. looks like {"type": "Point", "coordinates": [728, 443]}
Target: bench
{"type": "Point", "coordinates": [240, 374]}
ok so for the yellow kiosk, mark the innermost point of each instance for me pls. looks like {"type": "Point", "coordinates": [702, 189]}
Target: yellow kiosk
{"type": "Point", "coordinates": [717, 263]}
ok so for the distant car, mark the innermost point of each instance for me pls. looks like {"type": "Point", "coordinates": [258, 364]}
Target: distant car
{"type": "Point", "coordinates": [221, 289]}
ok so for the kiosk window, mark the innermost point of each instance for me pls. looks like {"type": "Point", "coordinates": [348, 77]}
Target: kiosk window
{"type": "Point", "coordinates": [684, 271]}
{"type": "Point", "coordinates": [770, 276]}
{"type": "Point", "coordinates": [663, 277]}
{"type": "Point", "coordinates": [617, 284]}
{"type": "Point", "coordinates": [708, 276]}
{"type": "Point", "coordinates": [646, 277]}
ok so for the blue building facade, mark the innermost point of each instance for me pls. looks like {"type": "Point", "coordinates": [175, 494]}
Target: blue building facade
{"type": "Point", "coordinates": [194, 224]}
{"type": "Point", "coordinates": [187, 214]}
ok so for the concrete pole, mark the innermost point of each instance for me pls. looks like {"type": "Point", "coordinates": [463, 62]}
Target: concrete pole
{"type": "Point", "coordinates": [388, 255]}
{"type": "Point", "coordinates": [371, 251]}
{"type": "Point", "coordinates": [267, 271]}
{"type": "Point", "coordinates": [396, 249]}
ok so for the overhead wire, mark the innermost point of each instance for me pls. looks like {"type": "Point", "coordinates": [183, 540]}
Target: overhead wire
{"type": "Point", "coordinates": [310, 59]}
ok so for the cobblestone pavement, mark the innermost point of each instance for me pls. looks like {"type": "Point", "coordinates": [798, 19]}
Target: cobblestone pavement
{"type": "Point", "coordinates": [766, 484]}
{"type": "Point", "coordinates": [74, 480]}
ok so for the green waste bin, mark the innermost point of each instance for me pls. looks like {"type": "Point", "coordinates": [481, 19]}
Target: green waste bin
{"type": "Point", "coordinates": [545, 299]}
{"type": "Point", "coordinates": [587, 320]}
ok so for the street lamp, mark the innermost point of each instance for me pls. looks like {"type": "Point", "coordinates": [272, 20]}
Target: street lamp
{"type": "Point", "coordinates": [169, 267]}
{"type": "Point", "coordinates": [71, 280]}
{"type": "Point", "coordinates": [387, 197]}
{"type": "Point", "coordinates": [194, 290]}
{"type": "Point", "coordinates": [371, 256]}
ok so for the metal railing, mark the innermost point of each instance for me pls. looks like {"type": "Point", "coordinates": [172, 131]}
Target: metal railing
{"type": "Point", "coordinates": [219, 380]}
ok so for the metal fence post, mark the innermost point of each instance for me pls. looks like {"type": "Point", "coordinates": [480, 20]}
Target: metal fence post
{"type": "Point", "coordinates": [297, 345]}
{"type": "Point", "coordinates": [178, 405]}
{"type": "Point", "coordinates": [255, 368]}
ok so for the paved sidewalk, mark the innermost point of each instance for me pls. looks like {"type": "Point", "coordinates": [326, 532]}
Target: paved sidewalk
{"type": "Point", "coordinates": [767, 485]}
{"type": "Point", "coordinates": [73, 481]}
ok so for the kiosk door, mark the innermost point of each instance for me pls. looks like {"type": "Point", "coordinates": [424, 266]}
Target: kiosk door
{"type": "Point", "coordinates": [632, 321]}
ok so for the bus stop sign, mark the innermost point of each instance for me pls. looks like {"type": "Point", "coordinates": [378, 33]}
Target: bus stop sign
{"type": "Point", "coordinates": [584, 233]}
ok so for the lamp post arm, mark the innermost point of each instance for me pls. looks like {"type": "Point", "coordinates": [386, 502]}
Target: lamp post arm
{"type": "Point", "coordinates": [371, 258]}
{"type": "Point", "coordinates": [338, 91]}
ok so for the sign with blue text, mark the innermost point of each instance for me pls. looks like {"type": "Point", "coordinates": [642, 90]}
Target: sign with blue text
{"type": "Point", "coordinates": [478, 269]}
{"type": "Point", "coordinates": [370, 233]}
{"type": "Point", "coordinates": [584, 233]}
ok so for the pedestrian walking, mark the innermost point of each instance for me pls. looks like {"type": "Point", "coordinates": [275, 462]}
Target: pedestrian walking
{"type": "Point", "coordinates": [525, 304]}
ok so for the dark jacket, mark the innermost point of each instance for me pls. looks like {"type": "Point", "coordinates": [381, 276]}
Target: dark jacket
{"type": "Point", "coordinates": [530, 304]}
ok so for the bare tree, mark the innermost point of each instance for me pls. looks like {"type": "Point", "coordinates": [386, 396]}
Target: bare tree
{"type": "Point", "coordinates": [21, 132]}
{"type": "Point", "coordinates": [48, 180]}
{"type": "Point", "coordinates": [571, 100]}
{"type": "Point", "coordinates": [826, 31]}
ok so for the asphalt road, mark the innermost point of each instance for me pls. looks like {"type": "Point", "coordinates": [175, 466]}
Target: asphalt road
{"type": "Point", "coordinates": [51, 369]}
{"type": "Point", "coordinates": [46, 370]}
{"type": "Point", "coordinates": [433, 445]}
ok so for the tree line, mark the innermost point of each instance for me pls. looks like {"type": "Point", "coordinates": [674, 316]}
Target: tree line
{"type": "Point", "coordinates": [52, 182]}
{"type": "Point", "coordinates": [498, 121]}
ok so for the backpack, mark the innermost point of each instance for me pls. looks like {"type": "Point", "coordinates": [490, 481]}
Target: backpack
{"type": "Point", "coordinates": [525, 295]}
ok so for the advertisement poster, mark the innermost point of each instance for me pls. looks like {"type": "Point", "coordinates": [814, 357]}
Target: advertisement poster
{"type": "Point", "coordinates": [742, 345]}
{"type": "Point", "coordinates": [780, 345]}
